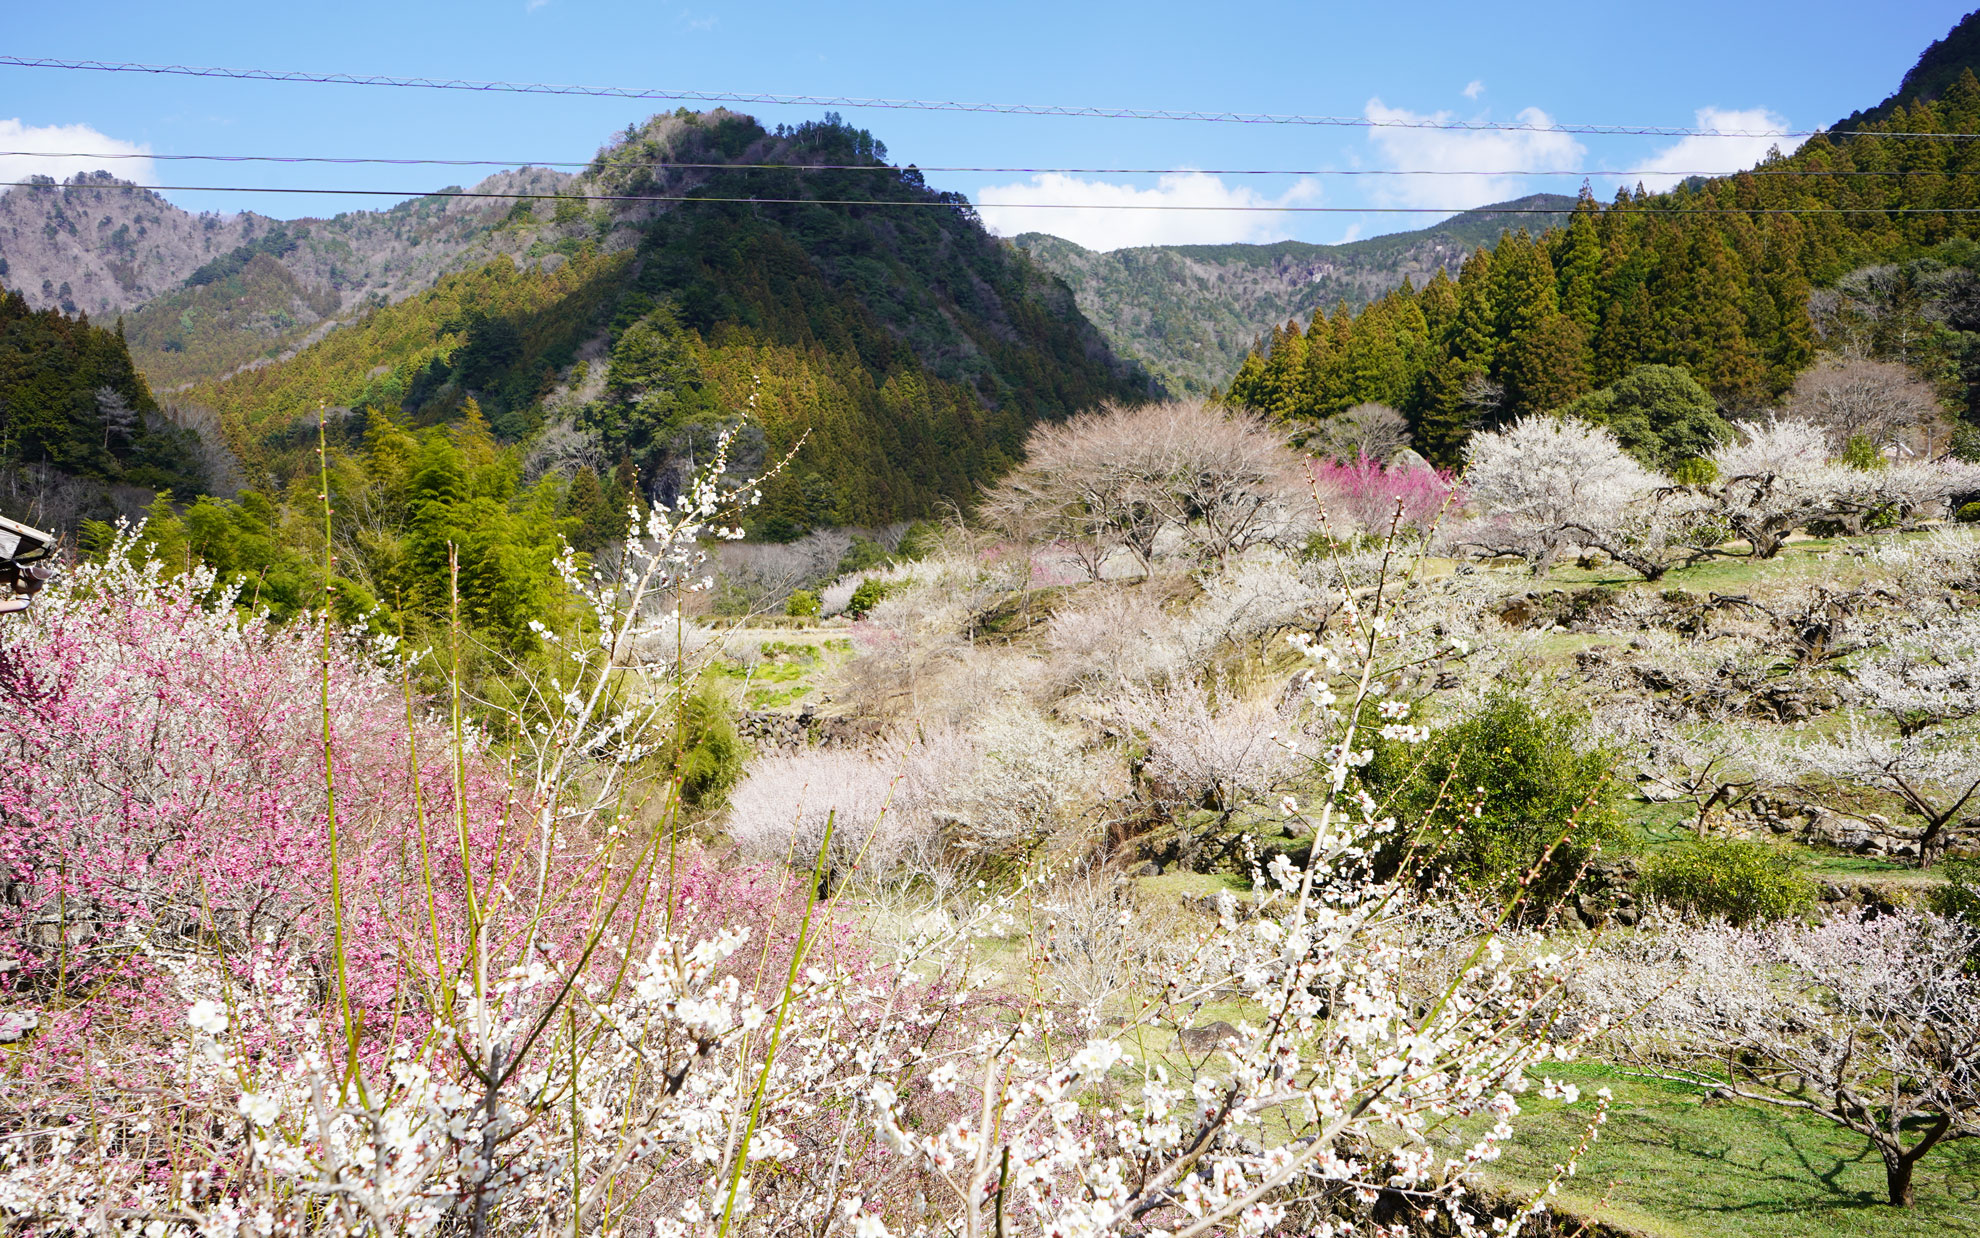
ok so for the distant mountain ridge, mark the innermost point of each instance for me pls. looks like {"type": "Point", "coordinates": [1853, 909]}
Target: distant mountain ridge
{"type": "Point", "coordinates": [1190, 313]}
{"type": "Point", "coordinates": [907, 350]}
{"type": "Point", "coordinates": [203, 294]}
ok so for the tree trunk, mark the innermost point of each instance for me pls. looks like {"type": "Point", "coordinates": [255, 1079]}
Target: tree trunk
{"type": "Point", "coordinates": [1897, 1176]}
{"type": "Point", "coordinates": [1933, 844]}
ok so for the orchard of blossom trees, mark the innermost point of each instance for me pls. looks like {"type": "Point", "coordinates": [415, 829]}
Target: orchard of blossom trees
{"type": "Point", "coordinates": [1207, 839]}
{"type": "Point", "coordinates": [1546, 483]}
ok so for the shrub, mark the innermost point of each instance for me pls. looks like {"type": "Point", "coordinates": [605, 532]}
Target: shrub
{"type": "Point", "coordinates": [1658, 412]}
{"type": "Point", "coordinates": [1729, 878]}
{"type": "Point", "coordinates": [708, 755]}
{"type": "Point", "coordinates": [1959, 898]}
{"type": "Point", "coordinates": [1517, 785]}
{"type": "Point", "coordinates": [1966, 441]}
{"type": "Point", "coordinates": [1969, 513]}
{"type": "Point", "coordinates": [921, 537]}
{"type": "Point", "coordinates": [1861, 453]}
{"type": "Point", "coordinates": [864, 553]}
{"type": "Point", "coordinates": [869, 594]}
{"type": "Point", "coordinates": [1695, 471]}
{"type": "Point", "coordinates": [802, 604]}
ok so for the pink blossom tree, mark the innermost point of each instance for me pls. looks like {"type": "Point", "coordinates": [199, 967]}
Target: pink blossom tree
{"type": "Point", "coordinates": [1378, 498]}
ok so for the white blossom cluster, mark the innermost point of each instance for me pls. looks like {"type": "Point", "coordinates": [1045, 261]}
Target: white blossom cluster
{"type": "Point", "coordinates": [594, 1051]}
{"type": "Point", "coordinates": [1544, 484]}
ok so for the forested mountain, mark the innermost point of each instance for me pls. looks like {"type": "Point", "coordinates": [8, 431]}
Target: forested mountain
{"type": "Point", "coordinates": [70, 397]}
{"type": "Point", "coordinates": [1938, 67]}
{"type": "Point", "coordinates": [1191, 312]}
{"type": "Point", "coordinates": [1713, 277]}
{"type": "Point", "coordinates": [203, 294]}
{"type": "Point", "coordinates": [912, 348]}
{"type": "Point", "coordinates": [896, 352]}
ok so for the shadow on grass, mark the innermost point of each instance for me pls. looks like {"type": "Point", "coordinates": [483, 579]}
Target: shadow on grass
{"type": "Point", "coordinates": [1718, 1170]}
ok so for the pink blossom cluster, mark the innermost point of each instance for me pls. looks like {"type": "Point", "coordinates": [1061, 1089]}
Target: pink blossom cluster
{"type": "Point", "coordinates": [1368, 494]}
{"type": "Point", "coordinates": [168, 787]}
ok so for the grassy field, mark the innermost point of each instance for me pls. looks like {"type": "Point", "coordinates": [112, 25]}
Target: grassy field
{"type": "Point", "coordinates": [783, 667]}
{"type": "Point", "coordinates": [1802, 559]}
{"type": "Point", "coordinates": [1674, 1163]}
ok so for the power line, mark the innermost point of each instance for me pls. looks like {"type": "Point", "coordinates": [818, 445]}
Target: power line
{"type": "Point", "coordinates": [921, 105]}
{"type": "Point", "coordinates": [886, 167]}
{"type": "Point", "coordinates": [962, 202]}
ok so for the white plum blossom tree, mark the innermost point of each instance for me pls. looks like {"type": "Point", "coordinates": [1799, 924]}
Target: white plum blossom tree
{"type": "Point", "coordinates": [1934, 774]}
{"type": "Point", "coordinates": [1924, 674]}
{"type": "Point", "coordinates": [1776, 477]}
{"type": "Point", "coordinates": [1773, 478]}
{"type": "Point", "coordinates": [1215, 756]}
{"type": "Point", "coordinates": [1542, 481]}
{"type": "Point", "coordinates": [1870, 1022]}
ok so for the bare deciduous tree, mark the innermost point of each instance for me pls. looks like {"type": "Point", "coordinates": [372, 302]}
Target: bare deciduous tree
{"type": "Point", "coordinates": [1879, 400]}
{"type": "Point", "coordinates": [1365, 432]}
{"type": "Point", "coordinates": [1086, 484]}
{"type": "Point", "coordinates": [1229, 482]}
{"type": "Point", "coordinates": [1117, 479]}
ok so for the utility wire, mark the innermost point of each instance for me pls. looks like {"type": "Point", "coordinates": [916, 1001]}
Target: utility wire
{"type": "Point", "coordinates": [963, 202]}
{"type": "Point", "coordinates": [887, 167]}
{"type": "Point", "coordinates": [920, 105]}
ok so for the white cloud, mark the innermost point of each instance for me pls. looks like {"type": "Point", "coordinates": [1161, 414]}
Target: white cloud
{"type": "Point", "coordinates": [1506, 152]}
{"type": "Point", "coordinates": [64, 140]}
{"type": "Point", "coordinates": [530, 6]}
{"type": "Point", "coordinates": [1713, 155]}
{"type": "Point", "coordinates": [1097, 214]}
{"type": "Point", "coordinates": [1475, 89]}
{"type": "Point", "coordinates": [1353, 233]}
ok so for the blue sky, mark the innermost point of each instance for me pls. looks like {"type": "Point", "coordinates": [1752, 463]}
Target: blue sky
{"type": "Point", "coordinates": [1678, 63]}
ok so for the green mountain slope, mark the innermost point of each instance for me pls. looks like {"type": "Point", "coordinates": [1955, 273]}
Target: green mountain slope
{"type": "Point", "coordinates": [1713, 278]}
{"type": "Point", "coordinates": [907, 349]}
{"type": "Point", "coordinates": [1191, 312]}
{"type": "Point", "coordinates": [1938, 67]}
